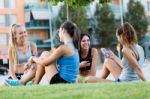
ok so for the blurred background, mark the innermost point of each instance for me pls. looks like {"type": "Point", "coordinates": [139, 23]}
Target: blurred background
{"type": "Point", "coordinates": [99, 18]}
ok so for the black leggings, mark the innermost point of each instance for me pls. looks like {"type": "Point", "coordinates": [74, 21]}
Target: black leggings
{"type": "Point", "coordinates": [18, 75]}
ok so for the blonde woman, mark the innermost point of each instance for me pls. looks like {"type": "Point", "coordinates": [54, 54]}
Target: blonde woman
{"type": "Point", "coordinates": [60, 66]}
{"type": "Point", "coordinates": [129, 68]}
{"type": "Point", "coordinates": [20, 50]}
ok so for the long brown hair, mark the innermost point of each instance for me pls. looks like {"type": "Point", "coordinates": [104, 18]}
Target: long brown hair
{"type": "Point", "coordinates": [128, 33]}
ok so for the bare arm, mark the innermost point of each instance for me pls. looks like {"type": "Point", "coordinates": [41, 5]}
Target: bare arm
{"type": "Point", "coordinates": [116, 59]}
{"type": "Point", "coordinates": [11, 64]}
{"type": "Point", "coordinates": [84, 64]}
{"type": "Point", "coordinates": [133, 62]}
{"type": "Point", "coordinates": [94, 61]}
{"type": "Point", "coordinates": [52, 58]}
{"type": "Point", "coordinates": [34, 49]}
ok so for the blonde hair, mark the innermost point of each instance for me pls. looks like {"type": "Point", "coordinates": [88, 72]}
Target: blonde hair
{"type": "Point", "coordinates": [13, 42]}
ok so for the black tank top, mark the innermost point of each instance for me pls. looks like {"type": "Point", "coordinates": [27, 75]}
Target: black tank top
{"type": "Point", "coordinates": [88, 58]}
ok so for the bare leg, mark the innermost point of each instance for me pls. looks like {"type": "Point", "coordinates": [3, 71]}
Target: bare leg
{"type": "Point", "coordinates": [40, 69]}
{"type": "Point", "coordinates": [35, 70]}
{"type": "Point", "coordinates": [29, 75]}
{"type": "Point", "coordinates": [105, 72]}
{"type": "Point", "coordinates": [103, 76]}
{"type": "Point", "coordinates": [39, 74]}
{"type": "Point", "coordinates": [113, 67]}
{"type": "Point", "coordinates": [110, 66]}
{"type": "Point", "coordinates": [50, 71]}
{"type": "Point", "coordinates": [93, 79]}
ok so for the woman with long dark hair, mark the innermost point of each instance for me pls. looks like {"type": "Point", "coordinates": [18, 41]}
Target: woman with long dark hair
{"type": "Point", "coordinates": [88, 56]}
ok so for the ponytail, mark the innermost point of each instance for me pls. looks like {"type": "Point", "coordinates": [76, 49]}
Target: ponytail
{"type": "Point", "coordinates": [13, 42]}
{"type": "Point", "coordinates": [128, 33]}
{"type": "Point", "coordinates": [76, 38]}
{"type": "Point", "coordinates": [72, 30]}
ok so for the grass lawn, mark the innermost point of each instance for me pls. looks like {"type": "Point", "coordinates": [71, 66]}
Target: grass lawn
{"type": "Point", "coordinates": [140, 90]}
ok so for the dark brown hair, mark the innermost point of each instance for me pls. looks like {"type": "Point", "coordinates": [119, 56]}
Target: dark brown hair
{"type": "Point", "coordinates": [72, 30]}
{"type": "Point", "coordinates": [128, 33]}
{"type": "Point", "coordinates": [84, 34]}
{"type": "Point", "coordinates": [81, 37]}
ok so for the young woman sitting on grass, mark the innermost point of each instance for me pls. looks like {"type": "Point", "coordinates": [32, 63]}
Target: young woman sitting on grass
{"type": "Point", "coordinates": [129, 68]}
{"type": "Point", "coordinates": [62, 65]}
{"type": "Point", "coordinates": [88, 57]}
{"type": "Point", "coordinates": [20, 50]}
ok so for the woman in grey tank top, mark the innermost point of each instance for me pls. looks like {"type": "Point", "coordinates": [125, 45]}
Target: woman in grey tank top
{"type": "Point", "coordinates": [129, 68]}
{"type": "Point", "coordinates": [60, 66]}
{"type": "Point", "coordinates": [20, 50]}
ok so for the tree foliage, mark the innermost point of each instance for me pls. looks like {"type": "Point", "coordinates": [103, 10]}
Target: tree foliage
{"type": "Point", "coordinates": [136, 16]}
{"type": "Point", "coordinates": [77, 15]}
{"type": "Point", "coordinates": [72, 2]}
{"type": "Point", "coordinates": [76, 3]}
{"type": "Point", "coordinates": [105, 24]}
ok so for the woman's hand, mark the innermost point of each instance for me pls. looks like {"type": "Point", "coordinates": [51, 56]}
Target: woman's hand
{"type": "Point", "coordinates": [115, 58]}
{"type": "Point", "coordinates": [111, 55]}
{"type": "Point", "coordinates": [29, 63]}
{"type": "Point", "coordinates": [84, 64]}
{"type": "Point", "coordinates": [31, 60]}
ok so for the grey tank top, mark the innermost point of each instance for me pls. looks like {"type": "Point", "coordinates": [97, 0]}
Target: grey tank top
{"type": "Point", "coordinates": [23, 57]}
{"type": "Point", "coordinates": [128, 73]}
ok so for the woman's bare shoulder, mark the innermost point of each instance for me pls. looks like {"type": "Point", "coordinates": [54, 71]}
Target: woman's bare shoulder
{"type": "Point", "coordinates": [62, 48]}
{"type": "Point", "coordinates": [94, 50]}
{"type": "Point", "coordinates": [33, 44]}
{"type": "Point", "coordinates": [126, 50]}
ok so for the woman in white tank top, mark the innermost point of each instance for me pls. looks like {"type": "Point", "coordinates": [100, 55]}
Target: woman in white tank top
{"type": "Point", "coordinates": [129, 68]}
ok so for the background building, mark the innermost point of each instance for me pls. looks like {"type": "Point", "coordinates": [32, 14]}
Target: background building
{"type": "Point", "coordinates": [11, 11]}
{"type": "Point", "coordinates": [37, 16]}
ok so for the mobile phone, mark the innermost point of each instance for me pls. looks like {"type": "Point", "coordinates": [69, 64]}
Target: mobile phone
{"type": "Point", "coordinates": [105, 52]}
{"type": "Point", "coordinates": [89, 60]}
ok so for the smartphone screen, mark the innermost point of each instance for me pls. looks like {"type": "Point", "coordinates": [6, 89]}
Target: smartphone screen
{"type": "Point", "coordinates": [105, 52]}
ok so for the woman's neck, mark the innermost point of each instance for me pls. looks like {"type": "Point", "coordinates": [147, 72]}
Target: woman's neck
{"type": "Point", "coordinates": [67, 40]}
{"type": "Point", "coordinates": [129, 46]}
{"type": "Point", "coordinates": [84, 52]}
{"type": "Point", "coordinates": [21, 44]}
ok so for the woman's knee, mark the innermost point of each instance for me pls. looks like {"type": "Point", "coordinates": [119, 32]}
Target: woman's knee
{"type": "Point", "coordinates": [108, 61]}
{"type": "Point", "coordinates": [33, 67]}
{"type": "Point", "coordinates": [45, 54]}
{"type": "Point", "coordinates": [90, 79]}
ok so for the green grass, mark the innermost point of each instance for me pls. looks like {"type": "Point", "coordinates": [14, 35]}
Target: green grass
{"type": "Point", "coordinates": [140, 90]}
